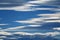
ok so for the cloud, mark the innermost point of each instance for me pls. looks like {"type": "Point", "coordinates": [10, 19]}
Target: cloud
{"type": "Point", "coordinates": [34, 25]}
{"type": "Point", "coordinates": [23, 33]}
{"type": "Point", "coordinates": [54, 2]}
{"type": "Point", "coordinates": [40, 1]}
{"type": "Point", "coordinates": [12, 38]}
{"type": "Point", "coordinates": [29, 6]}
{"type": "Point", "coordinates": [12, 3]}
{"type": "Point", "coordinates": [31, 34]}
{"type": "Point", "coordinates": [42, 21]}
{"type": "Point", "coordinates": [3, 24]}
{"type": "Point", "coordinates": [26, 7]}
{"type": "Point", "coordinates": [5, 3]}
{"type": "Point", "coordinates": [53, 33]}
{"type": "Point", "coordinates": [46, 34]}
{"type": "Point", "coordinates": [3, 37]}
{"type": "Point", "coordinates": [13, 28]}
{"type": "Point", "coordinates": [31, 21]}
{"type": "Point", "coordinates": [53, 21]}
{"type": "Point", "coordinates": [58, 28]}
{"type": "Point", "coordinates": [5, 33]}
{"type": "Point", "coordinates": [51, 17]}
{"type": "Point", "coordinates": [44, 18]}
{"type": "Point", "coordinates": [20, 28]}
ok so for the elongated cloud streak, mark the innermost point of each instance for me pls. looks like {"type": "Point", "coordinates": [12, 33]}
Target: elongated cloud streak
{"type": "Point", "coordinates": [3, 24]}
{"type": "Point", "coordinates": [46, 34]}
{"type": "Point", "coordinates": [45, 18]}
{"type": "Point", "coordinates": [58, 28]}
{"type": "Point", "coordinates": [13, 28]}
{"type": "Point", "coordinates": [29, 6]}
{"type": "Point", "coordinates": [5, 33]}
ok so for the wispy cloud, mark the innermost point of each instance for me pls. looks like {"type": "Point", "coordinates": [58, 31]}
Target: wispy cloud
{"type": "Point", "coordinates": [31, 34]}
{"type": "Point", "coordinates": [57, 28]}
{"type": "Point", "coordinates": [5, 33]}
{"type": "Point", "coordinates": [33, 20]}
{"type": "Point", "coordinates": [41, 20]}
{"type": "Point", "coordinates": [51, 17]}
{"type": "Point", "coordinates": [3, 37]}
{"type": "Point", "coordinates": [29, 6]}
{"type": "Point", "coordinates": [46, 34]}
{"type": "Point", "coordinates": [7, 3]}
{"type": "Point", "coordinates": [3, 24]}
{"type": "Point", "coordinates": [52, 33]}
{"type": "Point", "coordinates": [34, 25]}
{"type": "Point", "coordinates": [39, 1]}
{"type": "Point", "coordinates": [13, 28]}
{"type": "Point", "coordinates": [26, 7]}
{"type": "Point", "coordinates": [45, 18]}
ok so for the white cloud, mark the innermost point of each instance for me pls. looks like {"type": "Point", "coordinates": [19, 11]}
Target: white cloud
{"type": "Point", "coordinates": [58, 28]}
{"type": "Point", "coordinates": [31, 21]}
{"type": "Point", "coordinates": [54, 17]}
{"type": "Point", "coordinates": [44, 18]}
{"type": "Point", "coordinates": [50, 15]}
{"type": "Point", "coordinates": [32, 34]}
{"type": "Point", "coordinates": [39, 1]}
{"type": "Point", "coordinates": [26, 33]}
{"type": "Point", "coordinates": [53, 21]}
{"type": "Point", "coordinates": [13, 28]}
{"type": "Point", "coordinates": [52, 33]}
{"type": "Point", "coordinates": [3, 24]}
{"type": "Point", "coordinates": [34, 25]}
{"type": "Point", "coordinates": [27, 6]}
{"type": "Point", "coordinates": [5, 33]}
{"type": "Point", "coordinates": [23, 33]}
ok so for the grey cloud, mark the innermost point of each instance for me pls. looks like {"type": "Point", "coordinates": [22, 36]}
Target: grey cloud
{"type": "Point", "coordinates": [54, 2]}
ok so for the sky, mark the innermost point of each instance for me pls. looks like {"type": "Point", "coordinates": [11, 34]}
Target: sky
{"type": "Point", "coordinates": [30, 16]}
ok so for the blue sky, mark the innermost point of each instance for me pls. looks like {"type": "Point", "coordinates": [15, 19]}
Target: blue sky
{"type": "Point", "coordinates": [39, 16]}
{"type": "Point", "coordinates": [8, 16]}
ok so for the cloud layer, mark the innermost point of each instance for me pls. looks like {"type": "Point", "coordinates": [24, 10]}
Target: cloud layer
{"type": "Point", "coordinates": [29, 6]}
